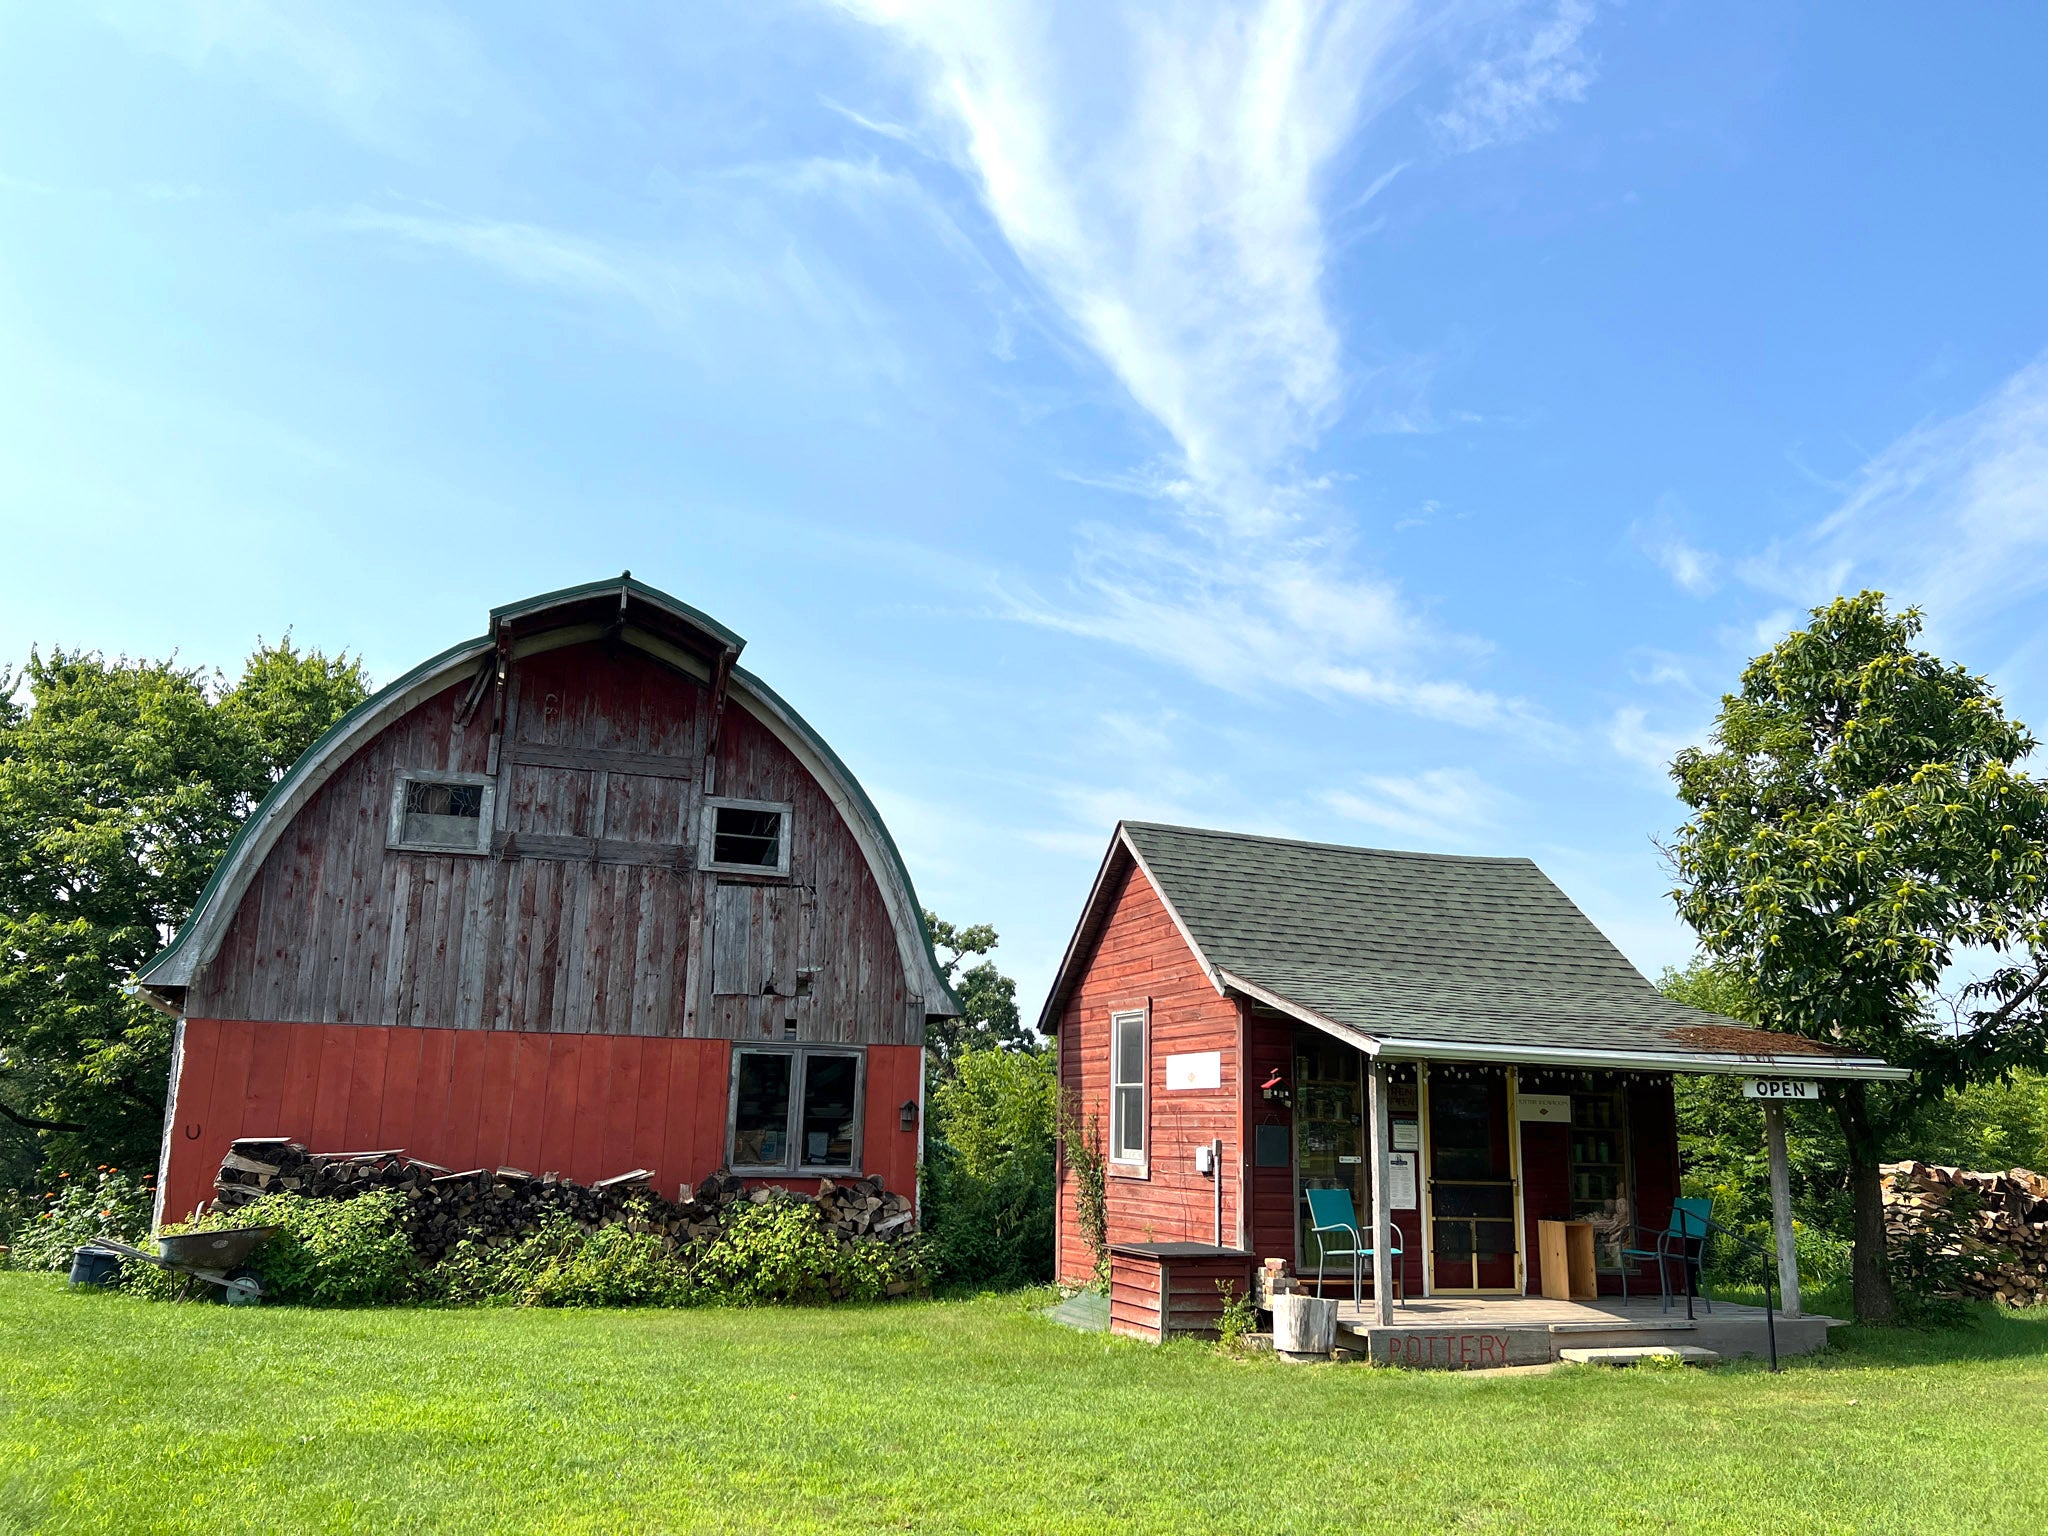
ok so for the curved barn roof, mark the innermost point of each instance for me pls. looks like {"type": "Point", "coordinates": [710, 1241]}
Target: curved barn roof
{"type": "Point", "coordinates": [641, 616]}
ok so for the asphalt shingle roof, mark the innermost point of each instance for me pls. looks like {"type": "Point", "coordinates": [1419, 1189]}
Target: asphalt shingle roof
{"type": "Point", "coordinates": [1465, 951]}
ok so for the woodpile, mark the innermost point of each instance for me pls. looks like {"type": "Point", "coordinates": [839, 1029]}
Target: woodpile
{"type": "Point", "coordinates": [1994, 1226]}
{"type": "Point", "coordinates": [496, 1206]}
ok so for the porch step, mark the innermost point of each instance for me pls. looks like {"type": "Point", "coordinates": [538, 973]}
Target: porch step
{"type": "Point", "coordinates": [1628, 1325]}
{"type": "Point", "coordinates": [1687, 1354]}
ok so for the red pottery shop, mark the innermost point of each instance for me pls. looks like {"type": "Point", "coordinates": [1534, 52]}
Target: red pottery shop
{"type": "Point", "coordinates": [1244, 1021]}
{"type": "Point", "coordinates": [580, 895]}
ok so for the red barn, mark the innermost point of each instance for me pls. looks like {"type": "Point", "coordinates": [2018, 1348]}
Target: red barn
{"type": "Point", "coordinates": [1277, 1001]}
{"type": "Point", "coordinates": [578, 895]}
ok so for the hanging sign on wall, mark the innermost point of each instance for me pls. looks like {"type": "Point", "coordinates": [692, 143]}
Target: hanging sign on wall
{"type": "Point", "coordinates": [1197, 1069]}
{"type": "Point", "coordinates": [1545, 1108]}
{"type": "Point", "coordinates": [1401, 1181]}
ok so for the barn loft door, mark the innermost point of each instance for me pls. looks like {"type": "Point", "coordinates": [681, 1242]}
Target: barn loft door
{"type": "Point", "coordinates": [757, 947]}
{"type": "Point", "coordinates": [606, 807]}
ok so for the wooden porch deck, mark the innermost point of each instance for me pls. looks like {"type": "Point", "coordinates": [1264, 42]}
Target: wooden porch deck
{"type": "Point", "coordinates": [1475, 1332]}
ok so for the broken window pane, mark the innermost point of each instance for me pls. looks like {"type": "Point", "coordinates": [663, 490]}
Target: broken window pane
{"type": "Point", "coordinates": [749, 837]}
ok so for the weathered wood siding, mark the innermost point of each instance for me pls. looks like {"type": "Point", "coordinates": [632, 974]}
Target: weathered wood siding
{"type": "Point", "coordinates": [587, 1106]}
{"type": "Point", "coordinates": [590, 915]}
{"type": "Point", "coordinates": [1140, 958]}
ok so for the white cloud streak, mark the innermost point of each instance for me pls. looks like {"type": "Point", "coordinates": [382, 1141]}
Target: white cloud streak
{"type": "Point", "coordinates": [1439, 805]}
{"type": "Point", "coordinates": [1161, 174]}
{"type": "Point", "coordinates": [1511, 96]}
{"type": "Point", "coordinates": [1954, 515]}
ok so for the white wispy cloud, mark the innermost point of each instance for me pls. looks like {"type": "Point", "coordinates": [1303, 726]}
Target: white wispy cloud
{"type": "Point", "coordinates": [1695, 570]}
{"type": "Point", "coordinates": [393, 74]}
{"type": "Point", "coordinates": [1162, 175]}
{"type": "Point", "coordinates": [1439, 805]}
{"type": "Point", "coordinates": [1953, 515]}
{"type": "Point", "coordinates": [1630, 734]}
{"type": "Point", "coordinates": [1511, 95]}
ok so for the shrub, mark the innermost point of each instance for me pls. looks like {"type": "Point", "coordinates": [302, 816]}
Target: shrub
{"type": "Point", "coordinates": [334, 1253]}
{"type": "Point", "coordinates": [562, 1265]}
{"type": "Point", "coordinates": [988, 1186]}
{"type": "Point", "coordinates": [110, 1204]}
{"type": "Point", "coordinates": [772, 1251]}
{"type": "Point", "coordinates": [779, 1251]}
{"type": "Point", "coordinates": [1239, 1319]}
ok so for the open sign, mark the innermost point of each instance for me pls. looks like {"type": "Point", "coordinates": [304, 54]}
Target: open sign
{"type": "Point", "coordinates": [1781, 1089]}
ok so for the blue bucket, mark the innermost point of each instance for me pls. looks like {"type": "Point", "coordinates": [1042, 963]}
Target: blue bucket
{"type": "Point", "coordinates": [95, 1266]}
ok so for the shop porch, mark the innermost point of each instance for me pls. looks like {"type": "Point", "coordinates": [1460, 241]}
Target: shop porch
{"type": "Point", "coordinates": [1486, 1332]}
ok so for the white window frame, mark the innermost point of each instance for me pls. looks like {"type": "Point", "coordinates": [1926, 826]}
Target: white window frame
{"type": "Point", "coordinates": [486, 812]}
{"type": "Point", "coordinates": [707, 836]}
{"type": "Point", "coordinates": [794, 1166]}
{"type": "Point", "coordinates": [1119, 1020]}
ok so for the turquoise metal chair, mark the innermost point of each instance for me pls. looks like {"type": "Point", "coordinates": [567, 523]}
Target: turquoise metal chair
{"type": "Point", "coordinates": [1683, 1239]}
{"type": "Point", "coordinates": [1331, 1211]}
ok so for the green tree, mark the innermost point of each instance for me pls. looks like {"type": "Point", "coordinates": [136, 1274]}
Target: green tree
{"type": "Point", "coordinates": [988, 1175]}
{"type": "Point", "coordinates": [1857, 822]}
{"type": "Point", "coordinates": [988, 998]}
{"type": "Point", "coordinates": [121, 784]}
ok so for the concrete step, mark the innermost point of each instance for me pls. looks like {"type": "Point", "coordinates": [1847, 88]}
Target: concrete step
{"type": "Point", "coordinates": [1686, 1353]}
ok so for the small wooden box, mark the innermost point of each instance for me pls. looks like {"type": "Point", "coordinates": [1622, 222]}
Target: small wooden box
{"type": "Point", "coordinates": [1565, 1250]}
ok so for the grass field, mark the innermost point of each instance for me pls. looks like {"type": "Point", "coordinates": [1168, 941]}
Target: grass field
{"type": "Point", "coordinates": [121, 1415]}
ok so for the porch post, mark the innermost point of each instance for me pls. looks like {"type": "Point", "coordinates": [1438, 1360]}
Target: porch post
{"type": "Point", "coordinates": [1382, 1196]}
{"type": "Point", "coordinates": [1781, 1209]}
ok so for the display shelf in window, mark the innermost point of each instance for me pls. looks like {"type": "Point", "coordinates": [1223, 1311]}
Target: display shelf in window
{"type": "Point", "coordinates": [1599, 1170]}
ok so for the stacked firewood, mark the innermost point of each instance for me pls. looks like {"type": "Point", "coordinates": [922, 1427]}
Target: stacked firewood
{"type": "Point", "coordinates": [496, 1206]}
{"type": "Point", "coordinates": [1993, 1225]}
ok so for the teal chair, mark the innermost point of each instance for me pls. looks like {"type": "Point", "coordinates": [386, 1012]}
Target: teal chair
{"type": "Point", "coordinates": [1331, 1211]}
{"type": "Point", "coordinates": [1683, 1239]}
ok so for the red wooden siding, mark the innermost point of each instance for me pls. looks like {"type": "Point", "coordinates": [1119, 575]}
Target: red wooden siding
{"type": "Point", "coordinates": [1154, 1298]}
{"type": "Point", "coordinates": [1274, 1224]}
{"type": "Point", "coordinates": [587, 1106]}
{"type": "Point", "coordinates": [1140, 957]}
{"type": "Point", "coordinates": [590, 916]}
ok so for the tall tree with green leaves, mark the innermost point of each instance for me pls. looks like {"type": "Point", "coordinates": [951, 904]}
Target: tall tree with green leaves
{"type": "Point", "coordinates": [988, 998]}
{"type": "Point", "coordinates": [1858, 822]}
{"type": "Point", "coordinates": [121, 784]}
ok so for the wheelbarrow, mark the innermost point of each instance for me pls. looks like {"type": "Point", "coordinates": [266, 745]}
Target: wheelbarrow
{"type": "Point", "coordinates": [215, 1257]}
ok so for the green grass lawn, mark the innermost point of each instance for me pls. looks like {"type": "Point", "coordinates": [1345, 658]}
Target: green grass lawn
{"type": "Point", "coordinates": [117, 1414]}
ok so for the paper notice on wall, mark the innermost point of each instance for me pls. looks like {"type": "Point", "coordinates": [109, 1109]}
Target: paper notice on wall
{"type": "Point", "coordinates": [1197, 1069]}
{"type": "Point", "coordinates": [1401, 1181]}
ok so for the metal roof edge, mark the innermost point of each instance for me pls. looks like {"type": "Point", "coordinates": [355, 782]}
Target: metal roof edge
{"type": "Point", "coordinates": [384, 698]}
{"type": "Point", "coordinates": [641, 589]}
{"type": "Point", "coordinates": [875, 823]}
{"type": "Point", "coordinates": [1664, 1059]}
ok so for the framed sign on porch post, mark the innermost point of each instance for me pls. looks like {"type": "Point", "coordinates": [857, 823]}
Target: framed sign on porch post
{"type": "Point", "coordinates": [1382, 1194]}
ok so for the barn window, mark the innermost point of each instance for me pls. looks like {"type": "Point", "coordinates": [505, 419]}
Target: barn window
{"type": "Point", "coordinates": [442, 812]}
{"type": "Point", "coordinates": [795, 1109]}
{"type": "Point", "coordinates": [1127, 1070]}
{"type": "Point", "coordinates": [746, 836]}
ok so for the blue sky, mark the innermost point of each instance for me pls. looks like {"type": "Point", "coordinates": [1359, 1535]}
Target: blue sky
{"type": "Point", "coordinates": [1386, 424]}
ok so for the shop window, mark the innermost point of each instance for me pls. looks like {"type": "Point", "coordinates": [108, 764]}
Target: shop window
{"type": "Point", "coordinates": [1599, 1170]}
{"type": "Point", "coordinates": [795, 1110]}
